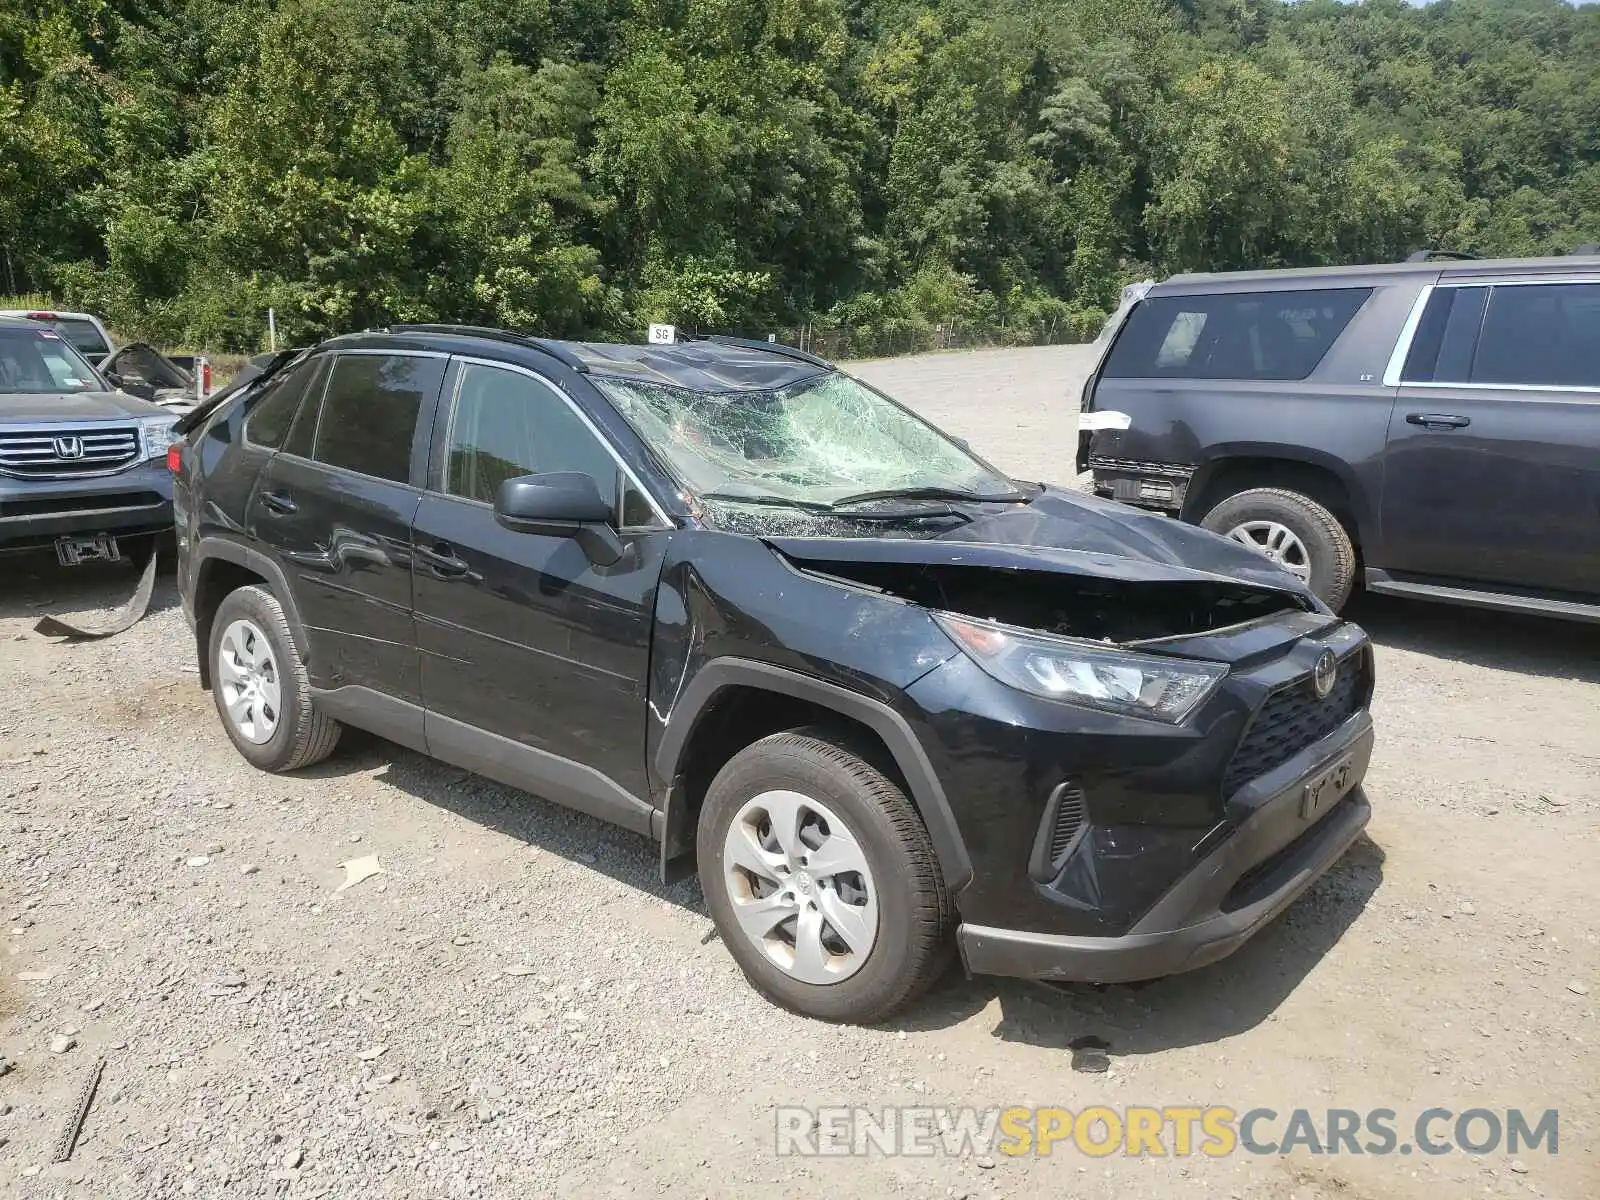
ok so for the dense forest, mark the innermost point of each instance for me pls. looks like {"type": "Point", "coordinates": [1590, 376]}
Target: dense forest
{"type": "Point", "coordinates": [581, 167]}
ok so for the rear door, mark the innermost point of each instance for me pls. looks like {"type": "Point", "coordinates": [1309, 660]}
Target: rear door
{"type": "Point", "coordinates": [533, 657]}
{"type": "Point", "coordinates": [335, 506]}
{"type": "Point", "coordinates": [1492, 471]}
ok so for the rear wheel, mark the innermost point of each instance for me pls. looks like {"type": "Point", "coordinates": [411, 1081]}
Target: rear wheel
{"type": "Point", "coordinates": [259, 683]}
{"type": "Point", "coordinates": [822, 880]}
{"type": "Point", "coordinates": [1294, 531]}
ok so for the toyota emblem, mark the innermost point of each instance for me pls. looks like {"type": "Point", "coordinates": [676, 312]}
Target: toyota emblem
{"type": "Point", "coordinates": [1325, 674]}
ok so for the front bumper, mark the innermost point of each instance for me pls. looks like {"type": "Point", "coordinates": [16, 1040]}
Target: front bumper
{"type": "Point", "coordinates": [1254, 873]}
{"type": "Point", "coordinates": [33, 513]}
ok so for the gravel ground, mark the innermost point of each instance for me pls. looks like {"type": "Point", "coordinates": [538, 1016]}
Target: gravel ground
{"type": "Point", "coordinates": [515, 1007]}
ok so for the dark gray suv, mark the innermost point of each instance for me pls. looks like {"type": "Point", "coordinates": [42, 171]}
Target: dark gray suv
{"type": "Point", "coordinates": [82, 464]}
{"type": "Point", "coordinates": [1429, 427]}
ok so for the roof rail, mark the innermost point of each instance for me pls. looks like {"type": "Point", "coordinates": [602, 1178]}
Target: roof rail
{"type": "Point", "coordinates": [555, 350]}
{"type": "Point", "coordinates": [1430, 255]}
{"type": "Point", "coordinates": [777, 348]}
{"type": "Point", "coordinates": [1587, 248]}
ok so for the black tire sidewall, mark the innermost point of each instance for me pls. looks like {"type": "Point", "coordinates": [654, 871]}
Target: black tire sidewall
{"type": "Point", "coordinates": [246, 604]}
{"type": "Point", "coordinates": [1332, 567]}
{"type": "Point", "coordinates": [771, 767]}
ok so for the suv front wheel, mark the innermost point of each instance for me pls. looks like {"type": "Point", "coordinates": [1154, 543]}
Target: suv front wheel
{"type": "Point", "coordinates": [822, 880]}
{"type": "Point", "coordinates": [1295, 532]}
{"type": "Point", "coordinates": [259, 683]}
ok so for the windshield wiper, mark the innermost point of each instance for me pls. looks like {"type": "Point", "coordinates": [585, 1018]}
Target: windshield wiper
{"type": "Point", "coordinates": [929, 493]}
{"type": "Point", "coordinates": [815, 506]}
{"type": "Point", "coordinates": [760, 498]}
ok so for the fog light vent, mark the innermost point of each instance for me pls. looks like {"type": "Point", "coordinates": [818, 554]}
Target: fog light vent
{"type": "Point", "coordinates": [1066, 816]}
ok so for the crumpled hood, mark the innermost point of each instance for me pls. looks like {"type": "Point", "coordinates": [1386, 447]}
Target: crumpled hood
{"type": "Point", "coordinates": [1066, 532]}
{"type": "Point", "coordinates": [55, 407]}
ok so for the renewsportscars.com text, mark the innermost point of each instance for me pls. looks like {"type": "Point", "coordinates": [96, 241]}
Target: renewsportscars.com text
{"type": "Point", "coordinates": [1146, 1130]}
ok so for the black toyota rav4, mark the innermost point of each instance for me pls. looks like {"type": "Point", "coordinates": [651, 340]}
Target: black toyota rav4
{"type": "Point", "coordinates": [886, 699]}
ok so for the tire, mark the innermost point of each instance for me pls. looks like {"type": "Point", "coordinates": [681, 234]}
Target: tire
{"type": "Point", "coordinates": [910, 944]}
{"type": "Point", "coordinates": [1327, 550]}
{"type": "Point", "coordinates": [298, 735]}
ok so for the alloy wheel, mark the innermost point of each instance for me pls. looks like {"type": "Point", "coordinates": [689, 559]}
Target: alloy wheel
{"type": "Point", "coordinates": [1277, 542]}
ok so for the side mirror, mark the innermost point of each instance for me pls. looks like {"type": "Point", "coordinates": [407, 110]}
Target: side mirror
{"type": "Point", "coordinates": [565, 504]}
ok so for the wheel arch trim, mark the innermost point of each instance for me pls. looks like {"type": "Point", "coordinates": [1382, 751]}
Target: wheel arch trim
{"type": "Point", "coordinates": [1252, 455]}
{"type": "Point", "coordinates": [225, 550]}
{"type": "Point", "coordinates": [927, 793]}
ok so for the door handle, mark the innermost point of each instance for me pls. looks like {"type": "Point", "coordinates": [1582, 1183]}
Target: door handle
{"type": "Point", "coordinates": [279, 502]}
{"type": "Point", "coordinates": [442, 559]}
{"type": "Point", "coordinates": [1438, 420]}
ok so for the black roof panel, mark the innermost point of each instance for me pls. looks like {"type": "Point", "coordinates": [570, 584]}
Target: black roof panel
{"type": "Point", "coordinates": [701, 366]}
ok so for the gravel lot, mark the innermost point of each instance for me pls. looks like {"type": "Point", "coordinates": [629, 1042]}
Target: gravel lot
{"type": "Point", "coordinates": [515, 1007]}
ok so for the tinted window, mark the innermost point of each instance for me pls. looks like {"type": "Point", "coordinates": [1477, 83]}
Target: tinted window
{"type": "Point", "coordinates": [1546, 334]}
{"type": "Point", "coordinates": [84, 336]}
{"type": "Point", "coordinates": [1446, 336]}
{"type": "Point", "coordinates": [274, 410]}
{"type": "Point", "coordinates": [304, 430]}
{"type": "Point", "coordinates": [369, 412]}
{"type": "Point", "coordinates": [506, 424]}
{"type": "Point", "coordinates": [1237, 335]}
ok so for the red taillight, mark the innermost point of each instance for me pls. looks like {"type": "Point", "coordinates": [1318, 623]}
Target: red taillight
{"type": "Point", "coordinates": [205, 376]}
{"type": "Point", "coordinates": [41, 316]}
{"type": "Point", "coordinates": [175, 457]}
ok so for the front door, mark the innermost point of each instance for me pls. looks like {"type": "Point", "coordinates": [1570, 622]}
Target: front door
{"type": "Point", "coordinates": [1492, 471]}
{"type": "Point", "coordinates": [533, 658]}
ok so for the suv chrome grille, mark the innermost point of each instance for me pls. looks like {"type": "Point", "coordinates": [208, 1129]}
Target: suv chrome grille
{"type": "Point", "coordinates": [53, 453]}
{"type": "Point", "coordinates": [1292, 718]}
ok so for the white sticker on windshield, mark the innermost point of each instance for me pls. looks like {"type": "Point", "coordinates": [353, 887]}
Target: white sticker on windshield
{"type": "Point", "coordinates": [1091, 421]}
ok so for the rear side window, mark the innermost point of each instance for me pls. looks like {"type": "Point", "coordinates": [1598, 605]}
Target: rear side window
{"type": "Point", "coordinates": [1533, 335]}
{"type": "Point", "coordinates": [84, 335]}
{"type": "Point", "coordinates": [274, 410]}
{"type": "Point", "coordinates": [1446, 337]}
{"type": "Point", "coordinates": [1545, 334]}
{"type": "Point", "coordinates": [1233, 335]}
{"type": "Point", "coordinates": [369, 412]}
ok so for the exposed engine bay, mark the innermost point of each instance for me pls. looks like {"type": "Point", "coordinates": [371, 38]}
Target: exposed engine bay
{"type": "Point", "coordinates": [1113, 610]}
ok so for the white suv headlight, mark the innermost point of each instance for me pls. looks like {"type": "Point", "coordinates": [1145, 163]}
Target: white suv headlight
{"type": "Point", "coordinates": [157, 435]}
{"type": "Point", "coordinates": [1085, 673]}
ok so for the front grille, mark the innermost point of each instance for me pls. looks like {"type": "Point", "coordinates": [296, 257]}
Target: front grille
{"type": "Point", "coordinates": [50, 454]}
{"type": "Point", "coordinates": [1292, 718]}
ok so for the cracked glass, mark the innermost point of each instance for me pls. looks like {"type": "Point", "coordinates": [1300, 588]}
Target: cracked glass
{"type": "Point", "coordinates": [814, 442]}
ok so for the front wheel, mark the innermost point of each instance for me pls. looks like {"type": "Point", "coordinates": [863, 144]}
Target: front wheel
{"type": "Point", "coordinates": [822, 880]}
{"type": "Point", "coordinates": [1295, 532]}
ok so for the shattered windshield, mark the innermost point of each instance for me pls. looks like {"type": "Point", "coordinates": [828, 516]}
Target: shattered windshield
{"type": "Point", "coordinates": [817, 442]}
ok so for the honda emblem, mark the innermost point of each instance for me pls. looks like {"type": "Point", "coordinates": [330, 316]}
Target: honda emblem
{"type": "Point", "coordinates": [69, 447]}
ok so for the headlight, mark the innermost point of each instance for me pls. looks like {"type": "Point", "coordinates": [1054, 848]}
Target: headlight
{"type": "Point", "coordinates": [1139, 685]}
{"type": "Point", "coordinates": [158, 435]}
